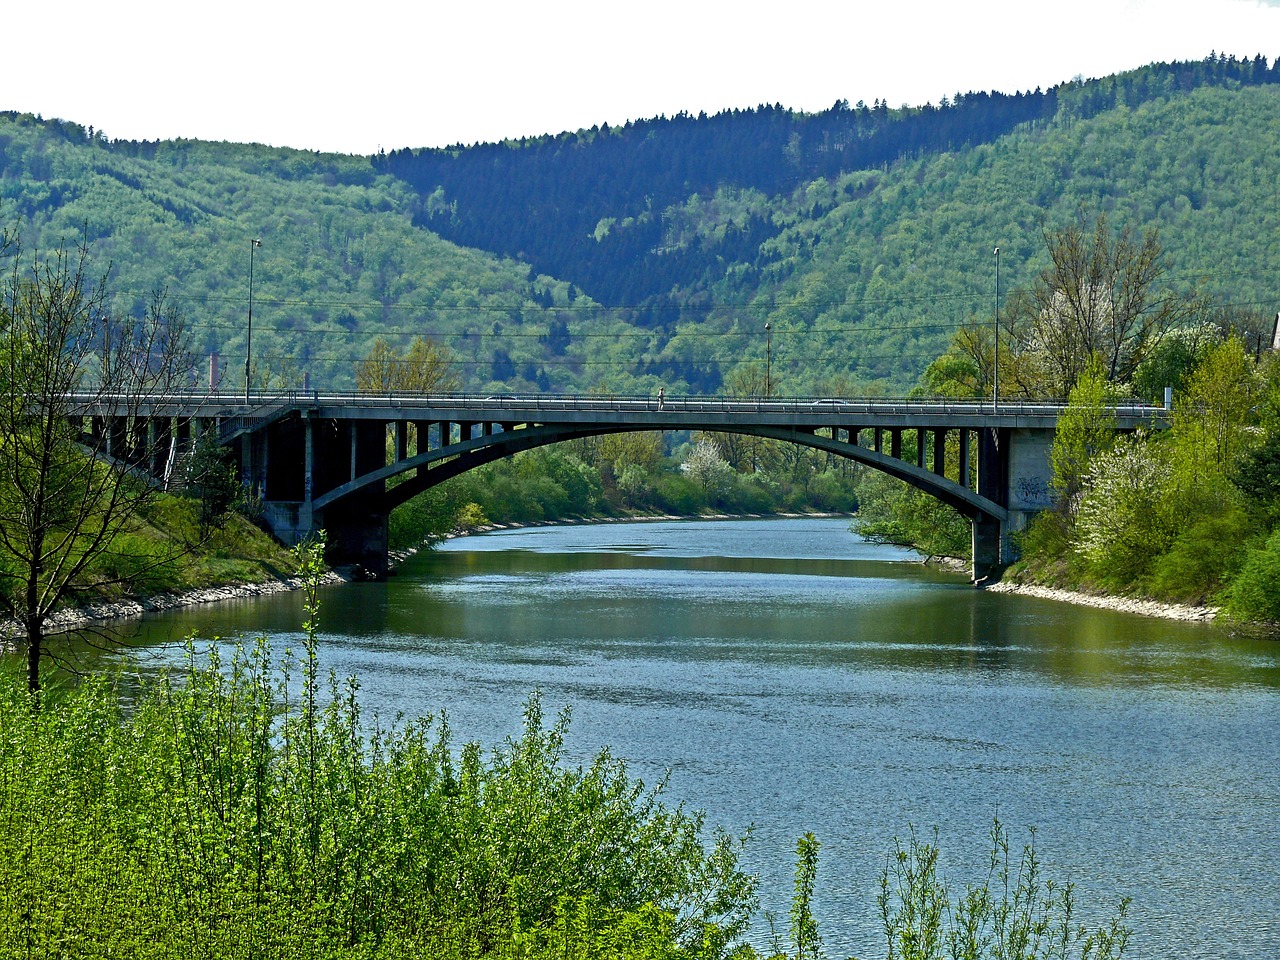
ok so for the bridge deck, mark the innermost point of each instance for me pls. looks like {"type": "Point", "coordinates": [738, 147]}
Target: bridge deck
{"type": "Point", "coordinates": [669, 413]}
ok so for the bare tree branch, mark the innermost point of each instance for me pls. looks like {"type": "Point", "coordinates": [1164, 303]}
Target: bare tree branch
{"type": "Point", "coordinates": [78, 386]}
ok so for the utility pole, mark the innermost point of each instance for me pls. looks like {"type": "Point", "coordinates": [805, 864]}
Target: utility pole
{"type": "Point", "coordinates": [248, 340]}
{"type": "Point", "coordinates": [995, 359]}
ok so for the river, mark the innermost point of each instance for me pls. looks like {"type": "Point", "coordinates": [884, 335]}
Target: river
{"type": "Point", "coordinates": [791, 677]}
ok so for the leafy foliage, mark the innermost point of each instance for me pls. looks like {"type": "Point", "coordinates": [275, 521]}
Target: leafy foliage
{"type": "Point", "coordinates": [1187, 514]}
{"type": "Point", "coordinates": [428, 367]}
{"type": "Point", "coordinates": [1014, 913]}
{"type": "Point", "coordinates": [891, 512]}
{"type": "Point", "coordinates": [1252, 595]}
{"type": "Point", "coordinates": [1086, 428]}
{"type": "Point", "coordinates": [246, 807]}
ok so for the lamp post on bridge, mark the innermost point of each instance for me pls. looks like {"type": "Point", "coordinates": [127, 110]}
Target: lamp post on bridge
{"type": "Point", "coordinates": [995, 359]}
{"type": "Point", "coordinates": [768, 361]}
{"type": "Point", "coordinates": [248, 341]}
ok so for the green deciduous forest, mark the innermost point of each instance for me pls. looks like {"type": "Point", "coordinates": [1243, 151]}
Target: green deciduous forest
{"type": "Point", "coordinates": [626, 258]}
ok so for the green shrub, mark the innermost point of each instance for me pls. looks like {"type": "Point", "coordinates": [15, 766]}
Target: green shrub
{"type": "Point", "coordinates": [1253, 593]}
{"type": "Point", "coordinates": [677, 494]}
{"type": "Point", "coordinates": [1045, 544]}
{"type": "Point", "coordinates": [245, 809]}
{"type": "Point", "coordinates": [1013, 913]}
{"type": "Point", "coordinates": [1203, 557]}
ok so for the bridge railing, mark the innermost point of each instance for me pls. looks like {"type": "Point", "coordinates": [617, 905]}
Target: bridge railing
{"type": "Point", "coordinates": [789, 405]}
{"type": "Point", "coordinates": [238, 416]}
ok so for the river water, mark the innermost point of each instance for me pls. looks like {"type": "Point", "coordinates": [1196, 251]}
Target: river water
{"type": "Point", "coordinates": [791, 677]}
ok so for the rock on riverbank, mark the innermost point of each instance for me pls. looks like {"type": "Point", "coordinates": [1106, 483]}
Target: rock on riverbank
{"type": "Point", "coordinates": [1147, 608]}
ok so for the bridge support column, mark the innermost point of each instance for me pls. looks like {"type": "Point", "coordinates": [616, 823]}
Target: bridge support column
{"type": "Point", "coordinates": [402, 440]}
{"type": "Point", "coordinates": [422, 436]}
{"type": "Point", "coordinates": [989, 541]}
{"type": "Point", "coordinates": [1013, 471]}
{"type": "Point", "coordinates": [988, 549]}
{"type": "Point", "coordinates": [356, 535]}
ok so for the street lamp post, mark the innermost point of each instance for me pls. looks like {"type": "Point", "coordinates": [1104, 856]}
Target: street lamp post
{"type": "Point", "coordinates": [995, 359]}
{"type": "Point", "coordinates": [768, 361]}
{"type": "Point", "coordinates": [248, 341]}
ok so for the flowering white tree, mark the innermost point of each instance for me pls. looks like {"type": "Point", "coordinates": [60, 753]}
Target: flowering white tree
{"type": "Point", "coordinates": [708, 469]}
{"type": "Point", "coordinates": [1121, 523]}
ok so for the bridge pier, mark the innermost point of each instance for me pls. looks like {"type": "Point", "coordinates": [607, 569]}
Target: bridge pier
{"type": "Point", "coordinates": [356, 535]}
{"type": "Point", "coordinates": [1013, 470]}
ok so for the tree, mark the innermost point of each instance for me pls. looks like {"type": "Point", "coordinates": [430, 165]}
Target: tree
{"type": "Point", "coordinates": [708, 469]}
{"type": "Point", "coordinates": [747, 381]}
{"type": "Point", "coordinates": [1123, 522]}
{"type": "Point", "coordinates": [69, 495]}
{"type": "Point", "coordinates": [1171, 361]}
{"type": "Point", "coordinates": [214, 481]}
{"type": "Point", "coordinates": [1086, 428]}
{"type": "Point", "coordinates": [1102, 295]}
{"type": "Point", "coordinates": [1213, 418]}
{"type": "Point", "coordinates": [427, 368]}
{"type": "Point", "coordinates": [964, 371]}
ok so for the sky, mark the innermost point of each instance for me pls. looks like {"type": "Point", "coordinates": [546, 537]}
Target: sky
{"type": "Point", "coordinates": [357, 78]}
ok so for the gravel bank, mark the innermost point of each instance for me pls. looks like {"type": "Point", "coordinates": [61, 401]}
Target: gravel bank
{"type": "Point", "coordinates": [1147, 608]}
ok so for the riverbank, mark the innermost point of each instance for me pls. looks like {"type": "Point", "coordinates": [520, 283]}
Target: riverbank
{"type": "Point", "coordinates": [1146, 608]}
{"type": "Point", "coordinates": [75, 618]}
{"type": "Point", "coordinates": [82, 616]}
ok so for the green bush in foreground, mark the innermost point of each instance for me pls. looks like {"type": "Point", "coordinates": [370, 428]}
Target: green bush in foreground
{"type": "Point", "coordinates": [246, 809]}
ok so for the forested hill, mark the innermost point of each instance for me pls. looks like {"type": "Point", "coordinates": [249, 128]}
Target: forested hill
{"type": "Point", "coordinates": [591, 206]}
{"type": "Point", "coordinates": [653, 254]}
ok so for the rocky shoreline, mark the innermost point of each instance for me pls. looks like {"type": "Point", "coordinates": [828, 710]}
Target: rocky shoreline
{"type": "Point", "coordinates": [1146, 608]}
{"type": "Point", "coordinates": [77, 617]}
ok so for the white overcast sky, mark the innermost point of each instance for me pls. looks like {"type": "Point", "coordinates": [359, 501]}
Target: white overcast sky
{"type": "Point", "coordinates": [357, 77]}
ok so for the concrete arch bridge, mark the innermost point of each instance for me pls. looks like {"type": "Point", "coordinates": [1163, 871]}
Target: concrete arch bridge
{"type": "Point", "coordinates": [324, 461]}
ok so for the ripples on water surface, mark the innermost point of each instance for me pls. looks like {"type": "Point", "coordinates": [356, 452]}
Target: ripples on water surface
{"type": "Point", "coordinates": [792, 677]}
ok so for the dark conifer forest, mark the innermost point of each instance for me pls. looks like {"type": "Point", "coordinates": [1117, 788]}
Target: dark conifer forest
{"type": "Point", "coordinates": [543, 200]}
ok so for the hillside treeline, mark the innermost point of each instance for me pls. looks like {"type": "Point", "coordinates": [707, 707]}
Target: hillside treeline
{"type": "Point", "coordinates": [654, 254]}
{"type": "Point", "coordinates": [590, 205]}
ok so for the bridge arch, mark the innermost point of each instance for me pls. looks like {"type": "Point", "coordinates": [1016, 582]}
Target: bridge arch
{"type": "Point", "coordinates": [436, 466]}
